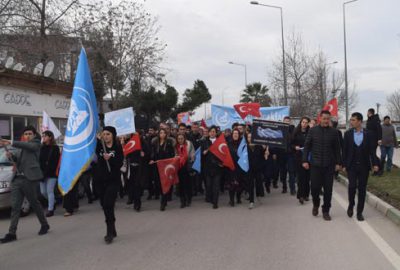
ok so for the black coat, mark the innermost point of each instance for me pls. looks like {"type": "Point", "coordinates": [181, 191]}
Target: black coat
{"type": "Point", "coordinates": [298, 139]}
{"type": "Point", "coordinates": [141, 164]}
{"type": "Point", "coordinates": [256, 158]}
{"type": "Point", "coordinates": [116, 161]}
{"type": "Point", "coordinates": [49, 157]}
{"type": "Point", "coordinates": [368, 150]}
{"type": "Point", "coordinates": [374, 127]}
{"type": "Point", "coordinates": [324, 146]}
{"type": "Point", "coordinates": [212, 165]}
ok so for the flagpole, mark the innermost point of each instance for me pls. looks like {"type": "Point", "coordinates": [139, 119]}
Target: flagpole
{"type": "Point", "coordinates": [105, 151]}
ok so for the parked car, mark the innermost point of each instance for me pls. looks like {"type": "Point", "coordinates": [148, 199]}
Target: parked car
{"type": "Point", "coordinates": [7, 173]}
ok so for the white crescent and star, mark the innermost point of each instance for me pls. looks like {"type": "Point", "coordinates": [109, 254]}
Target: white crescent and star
{"type": "Point", "coordinates": [330, 107]}
{"type": "Point", "coordinates": [243, 109]}
{"type": "Point", "coordinates": [130, 145]}
{"type": "Point", "coordinates": [168, 168]}
{"type": "Point", "coordinates": [220, 148]}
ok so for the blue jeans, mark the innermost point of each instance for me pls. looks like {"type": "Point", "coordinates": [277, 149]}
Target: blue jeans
{"type": "Point", "coordinates": [47, 190]}
{"type": "Point", "coordinates": [387, 151]}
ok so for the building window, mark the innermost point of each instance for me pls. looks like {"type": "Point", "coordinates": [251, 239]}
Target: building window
{"type": "Point", "coordinates": [33, 121]}
{"type": "Point", "coordinates": [5, 127]}
{"type": "Point", "coordinates": [18, 127]}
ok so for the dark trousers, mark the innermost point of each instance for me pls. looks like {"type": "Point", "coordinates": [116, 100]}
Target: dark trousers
{"type": "Point", "coordinates": [283, 169]}
{"type": "Point", "coordinates": [154, 183]}
{"type": "Point", "coordinates": [166, 197]}
{"type": "Point", "coordinates": [108, 195]}
{"type": "Point", "coordinates": [303, 182]}
{"type": "Point", "coordinates": [291, 165]}
{"type": "Point", "coordinates": [23, 188]}
{"type": "Point", "coordinates": [71, 199]}
{"type": "Point", "coordinates": [275, 171]}
{"type": "Point", "coordinates": [255, 185]}
{"type": "Point", "coordinates": [85, 180]}
{"type": "Point", "coordinates": [198, 182]}
{"type": "Point", "coordinates": [135, 189]}
{"type": "Point", "coordinates": [212, 188]}
{"type": "Point", "coordinates": [322, 177]}
{"type": "Point", "coordinates": [358, 179]}
{"type": "Point", "coordinates": [185, 186]}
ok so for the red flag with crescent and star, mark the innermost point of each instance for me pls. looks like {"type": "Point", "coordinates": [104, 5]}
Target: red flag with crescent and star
{"type": "Point", "coordinates": [220, 149]}
{"type": "Point", "coordinates": [168, 172]}
{"type": "Point", "coordinates": [133, 145]}
{"type": "Point", "coordinates": [332, 107]}
{"type": "Point", "coordinates": [244, 109]}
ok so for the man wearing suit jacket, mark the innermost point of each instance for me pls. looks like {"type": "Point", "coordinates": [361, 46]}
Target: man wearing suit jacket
{"type": "Point", "coordinates": [25, 182]}
{"type": "Point", "coordinates": [358, 152]}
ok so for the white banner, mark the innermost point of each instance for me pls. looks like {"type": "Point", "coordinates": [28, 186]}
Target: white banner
{"type": "Point", "coordinates": [123, 121]}
{"type": "Point", "coordinates": [48, 124]}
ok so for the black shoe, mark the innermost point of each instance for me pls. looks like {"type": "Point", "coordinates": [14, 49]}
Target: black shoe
{"type": "Point", "coordinates": [293, 192]}
{"type": "Point", "coordinates": [157, 197]}
{"type": "Point", "coordinates": [301, 201]}
{"type": "Point", "coordinates": [189, 203]}
{"type": "Point", "coordinates": [129, 202]}
{"type": "Point", "coordinates": [275, 186]}
{"type": "Point", "coordinates": [50, 213]}
{"type": "Point", "coordinates": [44, 229]}
{"type": "Point", "coordinates": [108, 239]}
{"type": "Point", "coordinates": [350, 212]}
{"type": "Point", "coordinates": [360, 217]}
{"type": "Point", "coordinates": [149, 198]}
{"type": "Point", "coordinates": [215, 206]}
{"type": "Point", "coordinates": [239, 201]}
{"type": "Point", "coordinates": [90, 201]}
{"type": "Point", "coordinates": [306, 199]}
{"type": "Point", "coordinates": [326, 216]}
{"type": "Point", "coordinates": [231, 203]}
{"type": "Point", "coordinates": [268, 189]}
{"type": "Point", "coordinates": [162, 208]}
{"type": "Point", "coordinates": [8, 238]}
{"type": "Point", "coordinates": [284, 191]}
{"type": "Point", "coordinates": [315, 211]}
{"type": "Point", "coordinates": [183, 205]}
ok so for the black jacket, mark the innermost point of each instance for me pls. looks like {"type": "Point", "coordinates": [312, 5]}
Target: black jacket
{"type": "Point", "coordinates": [116, 161]}
{"type": "Point", "coordinates": [368, 150]}
{"type": "Point", "coordinates": [256, 158]}
{"type": "Point", "coordinates": [212, 165]}
{"type": "Point", "coordinates": [323, 144]}
{"type": "Point", "coordinates": [164, 151]}
{"type": "Point", "coordinates": [49, 157]}
{"type": "Point", "coordinates": [374, 127]}
{"type": "Point", "coordinates": [298, 139]}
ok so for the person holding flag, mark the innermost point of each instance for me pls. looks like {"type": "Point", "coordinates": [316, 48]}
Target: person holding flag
{"type": "Point", "coordinates": [185, 150]}
{"type": "Point", "coordinates": [108, 176]}
{"type": "Point", "coordinates": [161, 148]}
{"type": "Point", "coordinates": [256, 155]}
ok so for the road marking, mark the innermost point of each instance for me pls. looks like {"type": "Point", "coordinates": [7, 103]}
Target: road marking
{"type": "Point", "coordinates": [379, 242]}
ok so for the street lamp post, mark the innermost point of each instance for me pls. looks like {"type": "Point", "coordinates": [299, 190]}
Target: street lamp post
{"type": "Point", "coordinates": [245, 71]}
{"type": "Point", "coordinates": [285, 92]}
{"type": "Point", "coordinates": [323, 82]}
{"type": "Point", "coordinates": [346, 83]}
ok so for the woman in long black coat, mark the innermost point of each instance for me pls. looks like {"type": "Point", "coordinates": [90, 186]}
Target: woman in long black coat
{"type": "Point", "coordinates": [237, 176]}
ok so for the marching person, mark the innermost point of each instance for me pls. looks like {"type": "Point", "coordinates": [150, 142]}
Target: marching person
{"type": "Point", "coordinates": [375, 130]}
{"type": "Point", "coordinates": [185, 150]}
{"type": "Point", "coordinates": [303, 175]}
{"type": "Point", "coordinates": [358, 152]}
{"type": "Point", "coordinates": [213, 168]}
{"type": "Point", "coordinates": [49, 157]}
{"type": "Point", "coordinates": [162, 148]}
{"type": "Point", "coordinates": [25, 182]}
{"type": "Point", "coordinates": [387, 145]}
{"type": "Point", "coordinates": [108, 174]}
{"type": "Point", "coordinates": [257, 154]}
{"type": "Point", "coordinates": [236, 177]}
{"type": "Point", "coordinates": [322, 142]}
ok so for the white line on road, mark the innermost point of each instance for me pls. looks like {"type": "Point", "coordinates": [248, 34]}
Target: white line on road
{"type": "Point", "coordinates": [379, 242]}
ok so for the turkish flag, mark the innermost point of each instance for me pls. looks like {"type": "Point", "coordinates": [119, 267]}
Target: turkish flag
{"type": "Point", "coordinates": [133, 145]}
{"type": "Point", "coordinates": [168, 172]}
{"type": "Point", "coordinates": [220, 149]}
{"type": "Point", "coordinates": [244, 109]}
{"type": "Point", "coordinates": [332, 107]}
{"type": "Point", "coordinates": [203, 123]}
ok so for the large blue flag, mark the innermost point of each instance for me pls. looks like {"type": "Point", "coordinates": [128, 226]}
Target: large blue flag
{"type": "Point", "coordinates": [82, 126]}
{"type": "Point", "coordinates": [243, 161]}
{"type": "Point", "coordinates": [224, 116]}
{"type": "Point", "coordinates": [197, 160]}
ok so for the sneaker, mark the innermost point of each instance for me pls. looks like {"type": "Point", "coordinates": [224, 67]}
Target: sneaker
{"type": "Point", "coordinates": [44, 229]}
{"type": "Point", "coordinates": [251, 205]}
{"type": "Point", "coordinates": [67, 214]}
{"type": "Point", "coordinates": [8, 238]}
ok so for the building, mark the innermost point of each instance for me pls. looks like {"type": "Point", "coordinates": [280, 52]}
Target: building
{"type": "Point", "coordinates": [24, 96]}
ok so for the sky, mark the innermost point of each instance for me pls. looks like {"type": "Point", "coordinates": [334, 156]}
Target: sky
{"type": "Point", "coordinates": [202, 36]}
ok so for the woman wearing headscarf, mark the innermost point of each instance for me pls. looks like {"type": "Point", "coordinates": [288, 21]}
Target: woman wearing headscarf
{"type": "Point", "coordinates": [108, 173]}
{"type": "Point", "coordinates": [236, 177]}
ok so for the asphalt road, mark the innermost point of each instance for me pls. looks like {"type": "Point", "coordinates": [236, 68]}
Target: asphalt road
{"type": "Point", "coordinates": [278, 234]}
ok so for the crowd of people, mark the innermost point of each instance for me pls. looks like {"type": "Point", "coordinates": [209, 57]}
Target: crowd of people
{"type": "Point", "coordinates": [306, 168]}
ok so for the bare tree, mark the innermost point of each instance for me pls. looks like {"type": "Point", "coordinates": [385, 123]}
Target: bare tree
{"type": "Point", "coordinates": [393, 105]}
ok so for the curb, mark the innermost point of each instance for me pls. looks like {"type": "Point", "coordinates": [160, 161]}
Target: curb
{"type": "Point", "coordinates": [386, 209]}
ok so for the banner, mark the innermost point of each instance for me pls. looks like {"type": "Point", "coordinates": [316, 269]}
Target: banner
{"type": "Point", "coordinates": [80, 135]}
{"type": "Point", "coordinates": [184, 118]}
{"type": "Point", "coordinates": [224, 116]}
{"type": "Point", "coordinates": [133, 145]}
{"type": "Point", "coordinates": [274, 134]}
{"type": "Point", "coordinates": [123, 120]}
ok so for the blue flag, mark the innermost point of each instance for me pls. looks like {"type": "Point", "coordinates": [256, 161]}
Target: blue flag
{"type": "Point", "coordinates": [243, 161]}
{"type": "Point", "coordinates": [197, 160]}
{"type": "Point", "coordinates": [80, 135]}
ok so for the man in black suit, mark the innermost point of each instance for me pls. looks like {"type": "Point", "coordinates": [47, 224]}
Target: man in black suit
{"type": "Point", "coordinates": [358, 153]}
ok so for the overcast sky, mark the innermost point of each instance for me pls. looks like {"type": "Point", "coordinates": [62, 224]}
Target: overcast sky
{"type": "Point", "coordinates": [203, 35]}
